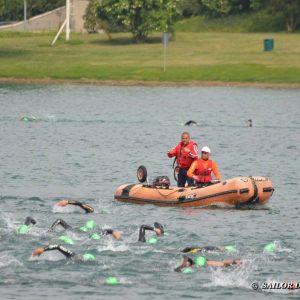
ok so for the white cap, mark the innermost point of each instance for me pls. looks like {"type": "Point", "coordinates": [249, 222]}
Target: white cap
{"type": "Point", "coordinates": [205, 149]}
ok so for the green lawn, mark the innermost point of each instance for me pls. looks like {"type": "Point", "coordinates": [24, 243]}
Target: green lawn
{"type": "Point", "coordinates": [192, 56]}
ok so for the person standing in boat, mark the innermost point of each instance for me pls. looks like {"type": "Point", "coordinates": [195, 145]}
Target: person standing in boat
{"type": "Point", "coordinates": [185, 152]}
{"type": "Point", "coordinates": [201, 169]}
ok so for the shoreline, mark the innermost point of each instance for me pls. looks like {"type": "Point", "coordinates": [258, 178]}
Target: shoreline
{"type": "Point", "coordinates": [191, 83]}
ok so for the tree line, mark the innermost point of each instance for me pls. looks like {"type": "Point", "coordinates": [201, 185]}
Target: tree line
{"type": "Point", "coordinates": [13, 10]}
{"type": "Point", "coordinates": [141, 17]}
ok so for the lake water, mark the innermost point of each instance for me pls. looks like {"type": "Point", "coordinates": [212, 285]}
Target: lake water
{"type": "Point", "coordinates": [87, 140]}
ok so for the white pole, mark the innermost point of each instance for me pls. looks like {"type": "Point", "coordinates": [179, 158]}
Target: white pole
{"type": "Point", "coordinates": [59, 32]}
{"type": "Point", "coordinates": [67, 20]}
{"type": "Point", "coordinates": [165, 56]}
{"type": "Point", "coordinates": [25, 15]}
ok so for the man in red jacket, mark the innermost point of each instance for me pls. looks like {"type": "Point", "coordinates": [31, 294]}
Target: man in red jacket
{"type": "Point", "coordinates": [186, 152]}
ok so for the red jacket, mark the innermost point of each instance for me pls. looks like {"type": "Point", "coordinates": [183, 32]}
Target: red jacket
{"type": "Point", "coordinates": [184, 159]}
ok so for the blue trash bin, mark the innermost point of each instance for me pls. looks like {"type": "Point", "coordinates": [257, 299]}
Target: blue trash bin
{"type": "Point", "coordinates": [268, 44]}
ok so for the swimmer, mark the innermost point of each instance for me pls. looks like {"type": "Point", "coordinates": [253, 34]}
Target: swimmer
{"type": "Point", "coordinates": [67, 253]}
{"type": "Point", "coordinates": [24, 227]}
{"type": "Point", "coordinates": [158, 229]}
{"type": "Point", "coordinates": [201, 261]}
{"type": "Point", "coordinates": [196, 249]}
{"type": "Point", "coordinates": [60, 222]}
{"type": "Point", "coordinates": [87, 208]}
{"type": "Point", "coordinates": [89, 225]}
{"type": "Point", "coordinates": [249, 123]}
{"type": "Point", "coordinates": [191, 123]}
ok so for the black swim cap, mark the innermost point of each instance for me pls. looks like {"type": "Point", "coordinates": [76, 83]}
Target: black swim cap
{"type": "Point", "coordinates": [159, 226]}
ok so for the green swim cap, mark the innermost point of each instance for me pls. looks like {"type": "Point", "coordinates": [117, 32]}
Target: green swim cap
{"type": "Point", "coordinates": [111, 281]}
{"type": "Point", "coordinates": [104, 211]}
{"type": "Point", "coordinates": [90, 224]}
{"type": "Point", "coordinates": [95, 236]}
{"type": "Point", "coordinates": [230, 248]}
{"type": "Point", "coordinates": [200, 261]}
{"type": "Point", "coordinates": [270, 247]}
{"type": "Point", "coordinates": [187, 270]}
{"type": "Point", "coordinates": [23, 229]}
{"type": "Point", "coordinates": [66, 239]}
{"type": "Point", "coordinates": [152, 241]}
{"type": "Point", "coordinates": [89, 257]}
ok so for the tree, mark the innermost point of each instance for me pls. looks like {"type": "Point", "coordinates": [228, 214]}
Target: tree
{"type": "Point", "coordinates": [218, 8]}
{"type": "Point", "coordinates": [290, 9]}
{"type": "Point", "coordinates": [140, 17]}
{"type": "Point", "coordinates": [91, 20]}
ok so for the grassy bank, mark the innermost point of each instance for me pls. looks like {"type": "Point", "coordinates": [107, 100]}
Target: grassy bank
{"type": "Point", "coordinates": [192, 57]}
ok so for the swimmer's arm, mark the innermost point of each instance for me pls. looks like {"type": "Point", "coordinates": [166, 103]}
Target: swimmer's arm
{"type": "Point", "coordinates": [142, 232]}
{"type": "Point", "coordinates": [86, 207]}
{"type": "Point", "coordinates": [61, 222]}
{"type": "Point", "coordinates": [67, 253]}
{"type": "Point", "coordinates": [116, 234]}
{"type": "Point", "coordinates": [224, 263]}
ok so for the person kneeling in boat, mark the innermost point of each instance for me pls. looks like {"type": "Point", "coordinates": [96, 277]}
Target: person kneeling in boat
{"type": "Point", "coordinates": [66, 252]}
{"type": "Point", "coordinates": [158, 229]}
{"type": "Point", "coordinates": [86, 207]}
{"type": "Point", "coordinates": [202, 168]}
{"type": "Point", "coordinates": [201, 261]}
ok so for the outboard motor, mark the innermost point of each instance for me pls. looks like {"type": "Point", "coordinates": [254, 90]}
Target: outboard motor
{"type": "Point", "coordinates": [161, 181]}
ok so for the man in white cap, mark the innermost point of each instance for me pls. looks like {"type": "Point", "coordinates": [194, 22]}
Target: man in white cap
{"type": "Point", "coordinates": [202, 168]}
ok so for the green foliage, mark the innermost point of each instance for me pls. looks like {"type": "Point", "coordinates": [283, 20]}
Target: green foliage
{"type": "Point", "coordinates": [260, 21]}
{"type": "Point", "coordinates": [217, 8]}
{"type": "Point", "coordinates": [91, 20]}
{"type": "Point", "coordinates": [189, 8]}
{"type": "Point", "coordinates": [289, 8]}
{"type": "Point", "coordinates": [12, 10]}
{"type": "Point", "coordinates": [140, 17]}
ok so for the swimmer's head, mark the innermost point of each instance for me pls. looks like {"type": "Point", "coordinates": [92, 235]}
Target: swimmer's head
{"type": "Point", "coordinates": [89, 257]}
{"type": "Point", "coordinates": [95, 236]}
{"type": "Point", "coordinates": [111, 280]}
{"type": "Point", "coordinates": [187, 270]}
{"type": "Point", "coordinates": [151, 241]}
{"type": "Point", "coordinates": [230, 248]}
{"type": "Point", "coordinates": [23, 229]}
{"type": "Point", "coordinates": [66, 239]}
{"type": "Point", "coordinates": [160, 227]}
{"type": "Point", "coordinates": [89, 225]}
{"type": "Point", "coordinates": [200, 261]}
{"type": "Point", "coordinates": [271, 247]}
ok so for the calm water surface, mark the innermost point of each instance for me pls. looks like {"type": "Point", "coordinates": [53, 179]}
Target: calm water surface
{"type": "Point", "coordinates": [88, 140]}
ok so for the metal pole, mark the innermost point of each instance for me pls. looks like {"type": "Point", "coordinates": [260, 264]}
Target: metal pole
{"type": "Point", "coordinates": [165, 56]}
{"type": "Point", "coordinates": [25, 15]}
{"type": "Point", "coordinates": [67, 20]}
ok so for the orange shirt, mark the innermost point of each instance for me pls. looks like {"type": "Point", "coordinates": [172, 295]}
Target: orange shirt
{"type": "Point", "coordinates": [193, 168]}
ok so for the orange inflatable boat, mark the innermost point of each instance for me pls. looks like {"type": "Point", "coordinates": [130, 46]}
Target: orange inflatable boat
{"type": "Point", "coordinates": [232, 192]}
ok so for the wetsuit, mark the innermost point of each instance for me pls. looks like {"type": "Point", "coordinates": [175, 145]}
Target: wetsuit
{"type": "Point", "coordinates": [65, 225]}
{"type": "Point", "coordinates": [59, 222]}
{"type": "Point", "coordinates": [200, 249]}
{"type": "Point", "coordinates": [87, 208]}
{"type": "Point", "coordinates": [67, 253]}
{"type": "Point", "coordinates": [143, 229]}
